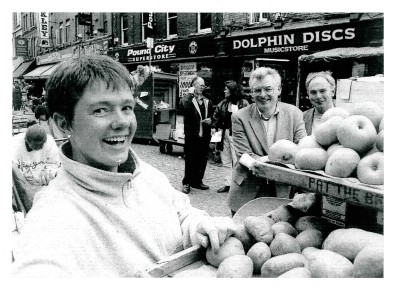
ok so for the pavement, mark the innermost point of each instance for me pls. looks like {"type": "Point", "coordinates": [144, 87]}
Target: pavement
{"type": "Point", "coordinates": [173, 166]}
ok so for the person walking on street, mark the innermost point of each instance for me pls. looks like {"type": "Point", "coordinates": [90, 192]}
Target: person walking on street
{"type": "Point", "coordinates": [197, 112]}
{"type": "Point", "coordinates": [222, 120]}
{"type": "Point", "coordinates": [17, 96]}
{"type": "Point", "coordinates": [320, 89]}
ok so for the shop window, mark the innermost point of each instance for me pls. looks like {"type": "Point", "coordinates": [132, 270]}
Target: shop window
{"type": "Point", "coordinates": [172, 25]}
{"type": "Point", "coordinates": [124, 29]}
{"type": "Point", "coordinates": [204, 22]}
{"type": "Point", "coordinates": [257, 17]}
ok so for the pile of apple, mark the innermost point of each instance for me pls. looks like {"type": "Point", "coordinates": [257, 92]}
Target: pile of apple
{"type": "Point", "coordinates": [347, 143]}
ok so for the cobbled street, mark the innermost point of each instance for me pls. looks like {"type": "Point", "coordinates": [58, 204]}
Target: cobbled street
{"type": "Point", "coordinates": [173, 166]}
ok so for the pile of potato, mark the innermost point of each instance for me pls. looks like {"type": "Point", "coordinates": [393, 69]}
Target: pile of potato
{"type": "Point", "coordinates": [348, 142]}
{"type": "Point", "coordinates": [289, 243]}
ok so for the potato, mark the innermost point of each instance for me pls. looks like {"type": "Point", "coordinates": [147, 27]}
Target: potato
{"type": "Point", "coordinates": [268, 218]}
{"type": "Point", "coordinates": [285, 213]}
{"type": "Point", "coordinates": [310, 238]}
{"type": "Point", "coordinates": [369, 262]}
{"type": "Point", "coordinates": [276, 266]}
{"type": "Point", "coordinates": [349, 242]}
{"type": "Point", "coordinates": [284, 227]}
{"type": "Point", "coordinates": [259, 253]}
{"type": "Point", "coordinates": [232, 246]}
{"type": "Point", "coordinates": [244, 236]}
{"type": "Point", "coordinates": [284, 244]}
{"type": "Point", "coordinates": [309, 251]}
{"type": "Point", "coordinates": [298, 272]}
{"type": "Point", "coordinates": [328, 264]}
{"type": "Point", "coordinates": [304, 202]}
{"type": "Point", "coordinates": [259, 228]}
{"type": "Point", "coordinates": [313, 222]}
{"type": "Point", "coordinates": [236, 266]}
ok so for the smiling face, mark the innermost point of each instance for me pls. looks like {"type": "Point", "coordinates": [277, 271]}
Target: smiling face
{"type": "Point", "coordinates": [103, 127]}
{"type": "Point", "coordinates": [265, 93]}
{"type": "Point", "coordinates": [320, 92]}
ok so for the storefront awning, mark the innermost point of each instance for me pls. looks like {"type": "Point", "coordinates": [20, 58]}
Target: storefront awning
{"type": "Point", "coordinates": [342, 53]}
{"type": "Point", "coordinates": [40, 72]}
{"type": "Point", "coordinates": [22, 69]}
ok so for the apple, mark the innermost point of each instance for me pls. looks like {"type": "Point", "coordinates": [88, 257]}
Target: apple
{"type": "Point", "coordinates": [311, 159]}
{"type": "Point", "coordinates": [332, 148]}
{"type": "Point", "coordinates": [283, 151]}
{"type": "Point", "coordinates": [334, 111]}
{"type": "Point", "coordinates": [379, 141]}
{"type": "Point", "coordinates": [357, 132]}
{"type": "Point", "coordinates": [370, 169]}
{"type": "Point", "coordinates": [370, 151]}
{"type": "Point", "coordinates": [368, 109]}
{"type": "Point", "coordinates": [342, 163]}
{"type": "Point", "coordinates": [381, 125]}
{"type": "Point", "coordinates": [325, 132]}
{"type": "Point", "coordinates": [308, 142]}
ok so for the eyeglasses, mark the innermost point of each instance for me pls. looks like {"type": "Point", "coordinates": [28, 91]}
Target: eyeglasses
{"type": "Point", "coordinates": [258, 92]}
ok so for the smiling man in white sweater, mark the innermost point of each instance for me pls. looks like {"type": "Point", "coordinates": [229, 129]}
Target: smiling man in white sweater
{"type": "Point", "coordinates": [107, 213]}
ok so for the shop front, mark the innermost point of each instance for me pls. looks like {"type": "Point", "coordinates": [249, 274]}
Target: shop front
{"type": "Point", "coordinates": [186, 58]}
{"type": "Point", "coordinates": [282, 48]}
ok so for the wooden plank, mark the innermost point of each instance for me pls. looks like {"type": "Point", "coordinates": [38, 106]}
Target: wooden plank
{"type": "Point", "coordinates": [177, 261]}
{"type": "Point", "coordinates": [353, 193]}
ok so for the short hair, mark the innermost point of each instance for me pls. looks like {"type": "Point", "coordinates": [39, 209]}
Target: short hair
{"type": "Point", "coordinates": [261, 72]}
{"type": "Point", "coordinates": [41, 110]}
{"type": "Point", "coordinates": [36, 133]}
{"type": "Point", "coordinates": [195, 79]}
{"type": "Point", "coordinates": [71, 78]}
{"type": "Point", "coordinates": [232, 87]}
{"type": "Point", "coordinates": [327, 75]}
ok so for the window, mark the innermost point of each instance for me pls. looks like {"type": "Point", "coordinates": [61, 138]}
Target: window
{"type": "Point", "coordinates": [32, 20]}
{"type": "Point", "coordinates": [60, 34]}
{"type": "Point", "coordinates": [124, 29]}
{"type": "Point", "coordinates": [25, 22]}
{"type": "Point", "coordinates": [105, 27]}
{"type": "Point", "coordinates": [172, 25]}
{"type": "Point", "coordinates": [259, 17]}
{"type": "Point", "coordinates": [52, 36]}
{"type": "Point", "coordinates": [204, 22]}
{"type": "Point", "coordinates": [67, 31]}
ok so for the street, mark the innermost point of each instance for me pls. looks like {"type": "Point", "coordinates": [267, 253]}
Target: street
{"type": "Point", "coordinates": [173, 166]}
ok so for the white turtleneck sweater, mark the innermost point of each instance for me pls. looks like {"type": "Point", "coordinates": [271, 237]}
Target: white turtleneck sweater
{"type": "Point", "coordinates": [91, 222]}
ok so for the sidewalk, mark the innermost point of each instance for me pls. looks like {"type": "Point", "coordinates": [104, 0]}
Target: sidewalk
{"type": "Point", "coordinates": [173, 166]}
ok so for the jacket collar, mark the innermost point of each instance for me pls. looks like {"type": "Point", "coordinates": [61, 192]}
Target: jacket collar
{"type": "Point", "coordinates": [104, 183]}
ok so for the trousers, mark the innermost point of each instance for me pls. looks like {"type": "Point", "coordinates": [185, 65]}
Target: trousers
{"type": "Point", "coordinates": [196, 155]}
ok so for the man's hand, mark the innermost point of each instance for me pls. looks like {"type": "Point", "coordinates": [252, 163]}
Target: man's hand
{"type": "Point", "coordinates": [206, 121]}
{"type": "Point", "coordinates": [214, 231]}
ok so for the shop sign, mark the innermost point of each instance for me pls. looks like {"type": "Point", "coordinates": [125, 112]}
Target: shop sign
{"type": "Point", "coordinates": [44, 29]}
{"type": "Point", "coordinates": [150, 24]}
{"type": "Point", "coordinates": [21, 47]}
{"type": "Point", "coordinates": [187, 71]}
{"type": "Point", "coordinates": [140, 54]}
{"type": "Point", "coordinates": [302, 40]}
{"type": "Point", "coordinates": [96, 48]}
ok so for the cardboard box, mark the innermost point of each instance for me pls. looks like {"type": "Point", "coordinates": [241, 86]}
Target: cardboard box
{"type": "Point", "coordinates": [163, 131]}
{"type": "Point", "coordinates": [360, 90]}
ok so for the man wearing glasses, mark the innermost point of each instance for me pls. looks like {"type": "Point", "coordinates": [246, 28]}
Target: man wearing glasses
{"type": "Point", "coordinates": [255, 128]}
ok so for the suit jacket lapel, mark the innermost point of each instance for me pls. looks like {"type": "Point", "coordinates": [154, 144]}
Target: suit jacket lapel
{"type": "Point", "coordinates": [194, 101]}
{"type": "Point", "coordinates": [258, 128]}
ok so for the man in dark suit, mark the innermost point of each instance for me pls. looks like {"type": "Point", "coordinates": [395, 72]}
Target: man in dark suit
{"type": "Point", "coordinates": [197, 112]}
{"type": "Point", "coordinates": [255, 128]}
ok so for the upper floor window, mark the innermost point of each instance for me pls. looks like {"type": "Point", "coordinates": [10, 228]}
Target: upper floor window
{"type": "Point", "coordinates": [25, 22]}
{"type": "Point", "coordinates": [32, 19]}
{"type": "Point", "coordinates": [172, 25]}
{"type": "Point", "coordinates": [105, 27]}
{"type": "Point", "coordinates": [67, 31]}
{"type": "Point", "coordinates": [52, 36]}
{"type": "Point", "coordinates": [256, 17]}
{"type": "Point", "coordinates": [204, 22]}
{"type": "Point", "coordinates": [124, 29]}
{"type": "Point", "coordinates": [60, 28]}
